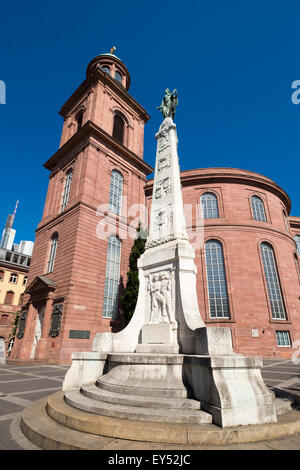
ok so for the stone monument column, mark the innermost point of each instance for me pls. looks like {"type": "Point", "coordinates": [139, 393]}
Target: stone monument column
{"type": "Point", "coordinates": [167, 313]}
{"type": "Point", "coordinates": [166, 349]}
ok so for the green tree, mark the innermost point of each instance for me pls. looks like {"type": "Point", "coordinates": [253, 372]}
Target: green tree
{"type": "Point", "coordinates": [129, 298]}
{"type": "Point", "coordinates": [15, 324]}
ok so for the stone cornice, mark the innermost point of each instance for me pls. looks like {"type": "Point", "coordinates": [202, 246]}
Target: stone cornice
{"type": "Point", "coordinates": [294, 222]}
{"type": "Point", "coordinates": [107, 81]}
{"type": "Point", "coordinates": [90, 129]}
{"type": "Point", "coordinates": [231, 226]}
{"type": "Point", "coordinates": [204, 176]}
{"type": "Point", "coordinates": [14, 267]}
{"type": "Point", "coordinates": [114, 219]}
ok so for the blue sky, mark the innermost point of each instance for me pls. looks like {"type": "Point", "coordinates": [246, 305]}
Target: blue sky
{"type": "Point", "coordinates": [232, 63]}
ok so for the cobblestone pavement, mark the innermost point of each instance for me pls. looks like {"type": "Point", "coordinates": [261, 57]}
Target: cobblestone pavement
{"type": "Point", "coordinates": [21, 385]}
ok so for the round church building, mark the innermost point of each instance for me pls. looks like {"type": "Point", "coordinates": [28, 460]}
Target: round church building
{"type": "Point", "coordinates": [246, 256]}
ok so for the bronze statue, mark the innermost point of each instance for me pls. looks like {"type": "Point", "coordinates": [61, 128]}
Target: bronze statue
{"type": "Point", "coordinates": [169, 103]}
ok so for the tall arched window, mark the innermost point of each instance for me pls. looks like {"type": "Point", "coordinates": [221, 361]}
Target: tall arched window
{"type": "Point", "coordinates": [118, 76]}
{"type": "Point", "coordinates": [115, 193]}
{"type": "Point", "coordinates": [297, 266]}
{"type": "Point", "coordinates": [67, 187]}
{"type": "Point", "coordinates": [286, 222]}
{"type": "Point", "coordinates": [297, 241]}
{"type": "Point", "coordinates": [258, 209]}
{"type": "Point", "coordinates": [79, 119]}
{"type": "Point", "coordinates": [52, 253]}
{"type": "Point", "coordinates": [209, 206]}
{"type": "Point", "coordinates": [112, 278]}
{"type": "Point", "coordinates": [216, 280]}
{"type": "Point", "coordinates": [118, 129]}
{"type": "Point", "coordinates": [272, 280]}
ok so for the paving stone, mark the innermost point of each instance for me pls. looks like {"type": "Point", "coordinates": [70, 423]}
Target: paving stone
{"type": "Point", "coordinates": [33, 396]}
{"type": "Point", "coordinates": [8, 407]}
{"type": "Point", "coordinates": [34, 384]}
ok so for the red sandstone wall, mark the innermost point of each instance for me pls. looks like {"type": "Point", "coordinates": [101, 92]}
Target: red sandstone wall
{"type": "Point", "coordinates": [241, 237]}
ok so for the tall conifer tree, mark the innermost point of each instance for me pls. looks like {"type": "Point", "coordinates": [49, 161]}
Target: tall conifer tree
{"type": "Point", "coordinates": [129, 298]}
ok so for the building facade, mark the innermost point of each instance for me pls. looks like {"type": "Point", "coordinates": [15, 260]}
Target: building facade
{"type": "Point", "coordinates": [14, 269]}
{"type": "Point", "coordinates": [78, 266]}
{"type": "Point", "coordinates": [246, 244]}
{"type": "Point", "coordinates": [246, 257]}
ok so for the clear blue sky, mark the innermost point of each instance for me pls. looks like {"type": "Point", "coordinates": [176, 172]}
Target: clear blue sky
{"type": "Point", "coordinates": [232, 62]}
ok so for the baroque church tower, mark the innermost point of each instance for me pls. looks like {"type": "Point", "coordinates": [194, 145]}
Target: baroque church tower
{"type": "Point", "coordinates": [83, 241]}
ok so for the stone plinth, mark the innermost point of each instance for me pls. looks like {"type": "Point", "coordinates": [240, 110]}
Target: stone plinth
{"type": "Point", "coordinates": [159, 338]}
{"type": "Point", "coordinates": [230, 388]}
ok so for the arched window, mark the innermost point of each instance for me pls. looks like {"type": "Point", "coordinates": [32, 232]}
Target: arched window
{"type": "Point", "coordinates": [52, 253]}
{"type": "Point", "coordinates": [286, 222]}
{"type": "Point", "coordinates": [115, 193]}
{"type": "Point", "coordinates": [216, 280]}
{"type": "Point", "coordinates": [272, 280]}
{"type": "Point", "coordinates": [67, 187]}
{"type": "Point", "coordinates": [9, 297]}
{"type": "Point", "coordinates": [118, 129]}
{"type": "Point", "coordinates": [258, 209]}
{"type": "Point", "coordinates": [209, 206]}
{"type": "Point", "coordinates": [297, 266]}
{"type": "Point", "coordinates": [118, 76]}
{"type": "Point", "coordinates": [79, 119]}
{"type": "Point", "coordinates": [297, 241]}
{"type": "Point", "coordinates": [112, 278]}
{"type": "Point", "coordinates": [1, 275]}
{"type": "Point", "coordinates": [106, 68]}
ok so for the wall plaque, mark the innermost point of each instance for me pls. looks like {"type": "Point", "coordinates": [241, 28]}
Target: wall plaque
{"type": "Point", "coordinates": [79, 334]}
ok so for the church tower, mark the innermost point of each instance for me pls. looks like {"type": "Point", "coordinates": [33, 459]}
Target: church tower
{"type": "Point", "coordinates": [83, 242]}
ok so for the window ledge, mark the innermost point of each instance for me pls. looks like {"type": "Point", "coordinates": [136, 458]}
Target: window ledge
{"type": "Point", "coordinates": [281, 322]}
{"type": "Point", "coordinates": [220, 320]}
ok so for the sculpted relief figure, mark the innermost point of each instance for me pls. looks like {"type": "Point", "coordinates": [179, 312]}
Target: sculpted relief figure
{"type": "Point", "coordinates": [169, 103]}
{"type": "Point", "coordinates": [161, 299]}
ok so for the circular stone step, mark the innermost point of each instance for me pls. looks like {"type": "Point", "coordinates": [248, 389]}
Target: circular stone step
{"type": "Point", "coordinates": [101, 394]}
{"type": "Point", "coordinates": [64, 427]}
{"type": "Point", "coordinates": [154, 392]}
{"type": "Point", "coordinates": [137, 413]}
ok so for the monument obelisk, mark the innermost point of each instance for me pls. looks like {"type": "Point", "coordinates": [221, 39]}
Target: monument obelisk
{"type": "Point", "coordinates": [166, 313]}
{"type": "Point", "coordinates": [166, 350]}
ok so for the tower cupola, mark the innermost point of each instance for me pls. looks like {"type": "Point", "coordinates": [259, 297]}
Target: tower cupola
{"type": "Point", "coordinates": [111, 65]}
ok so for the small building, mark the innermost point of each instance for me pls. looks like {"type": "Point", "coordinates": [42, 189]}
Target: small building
{"type": "Point", "coordinates": [14, 269]}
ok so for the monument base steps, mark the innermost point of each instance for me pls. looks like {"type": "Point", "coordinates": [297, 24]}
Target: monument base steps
{"type": "Point", "coordinates": [53, 424]}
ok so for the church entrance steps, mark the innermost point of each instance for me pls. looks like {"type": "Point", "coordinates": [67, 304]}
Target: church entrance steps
{"type": "Point", "coordinates": [53, 424]}
{"type": "Point", "coordinates": [138, 413]}
{"type": "Point", "coordinates": [101, 394]}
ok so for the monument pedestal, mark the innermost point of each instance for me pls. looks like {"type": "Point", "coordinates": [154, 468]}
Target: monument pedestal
{"type": "Point", "coordinates": [160, 339]}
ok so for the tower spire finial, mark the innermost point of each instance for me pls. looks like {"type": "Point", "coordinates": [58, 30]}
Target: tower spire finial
{"type": "Point", "coordinates": [112, 50]}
